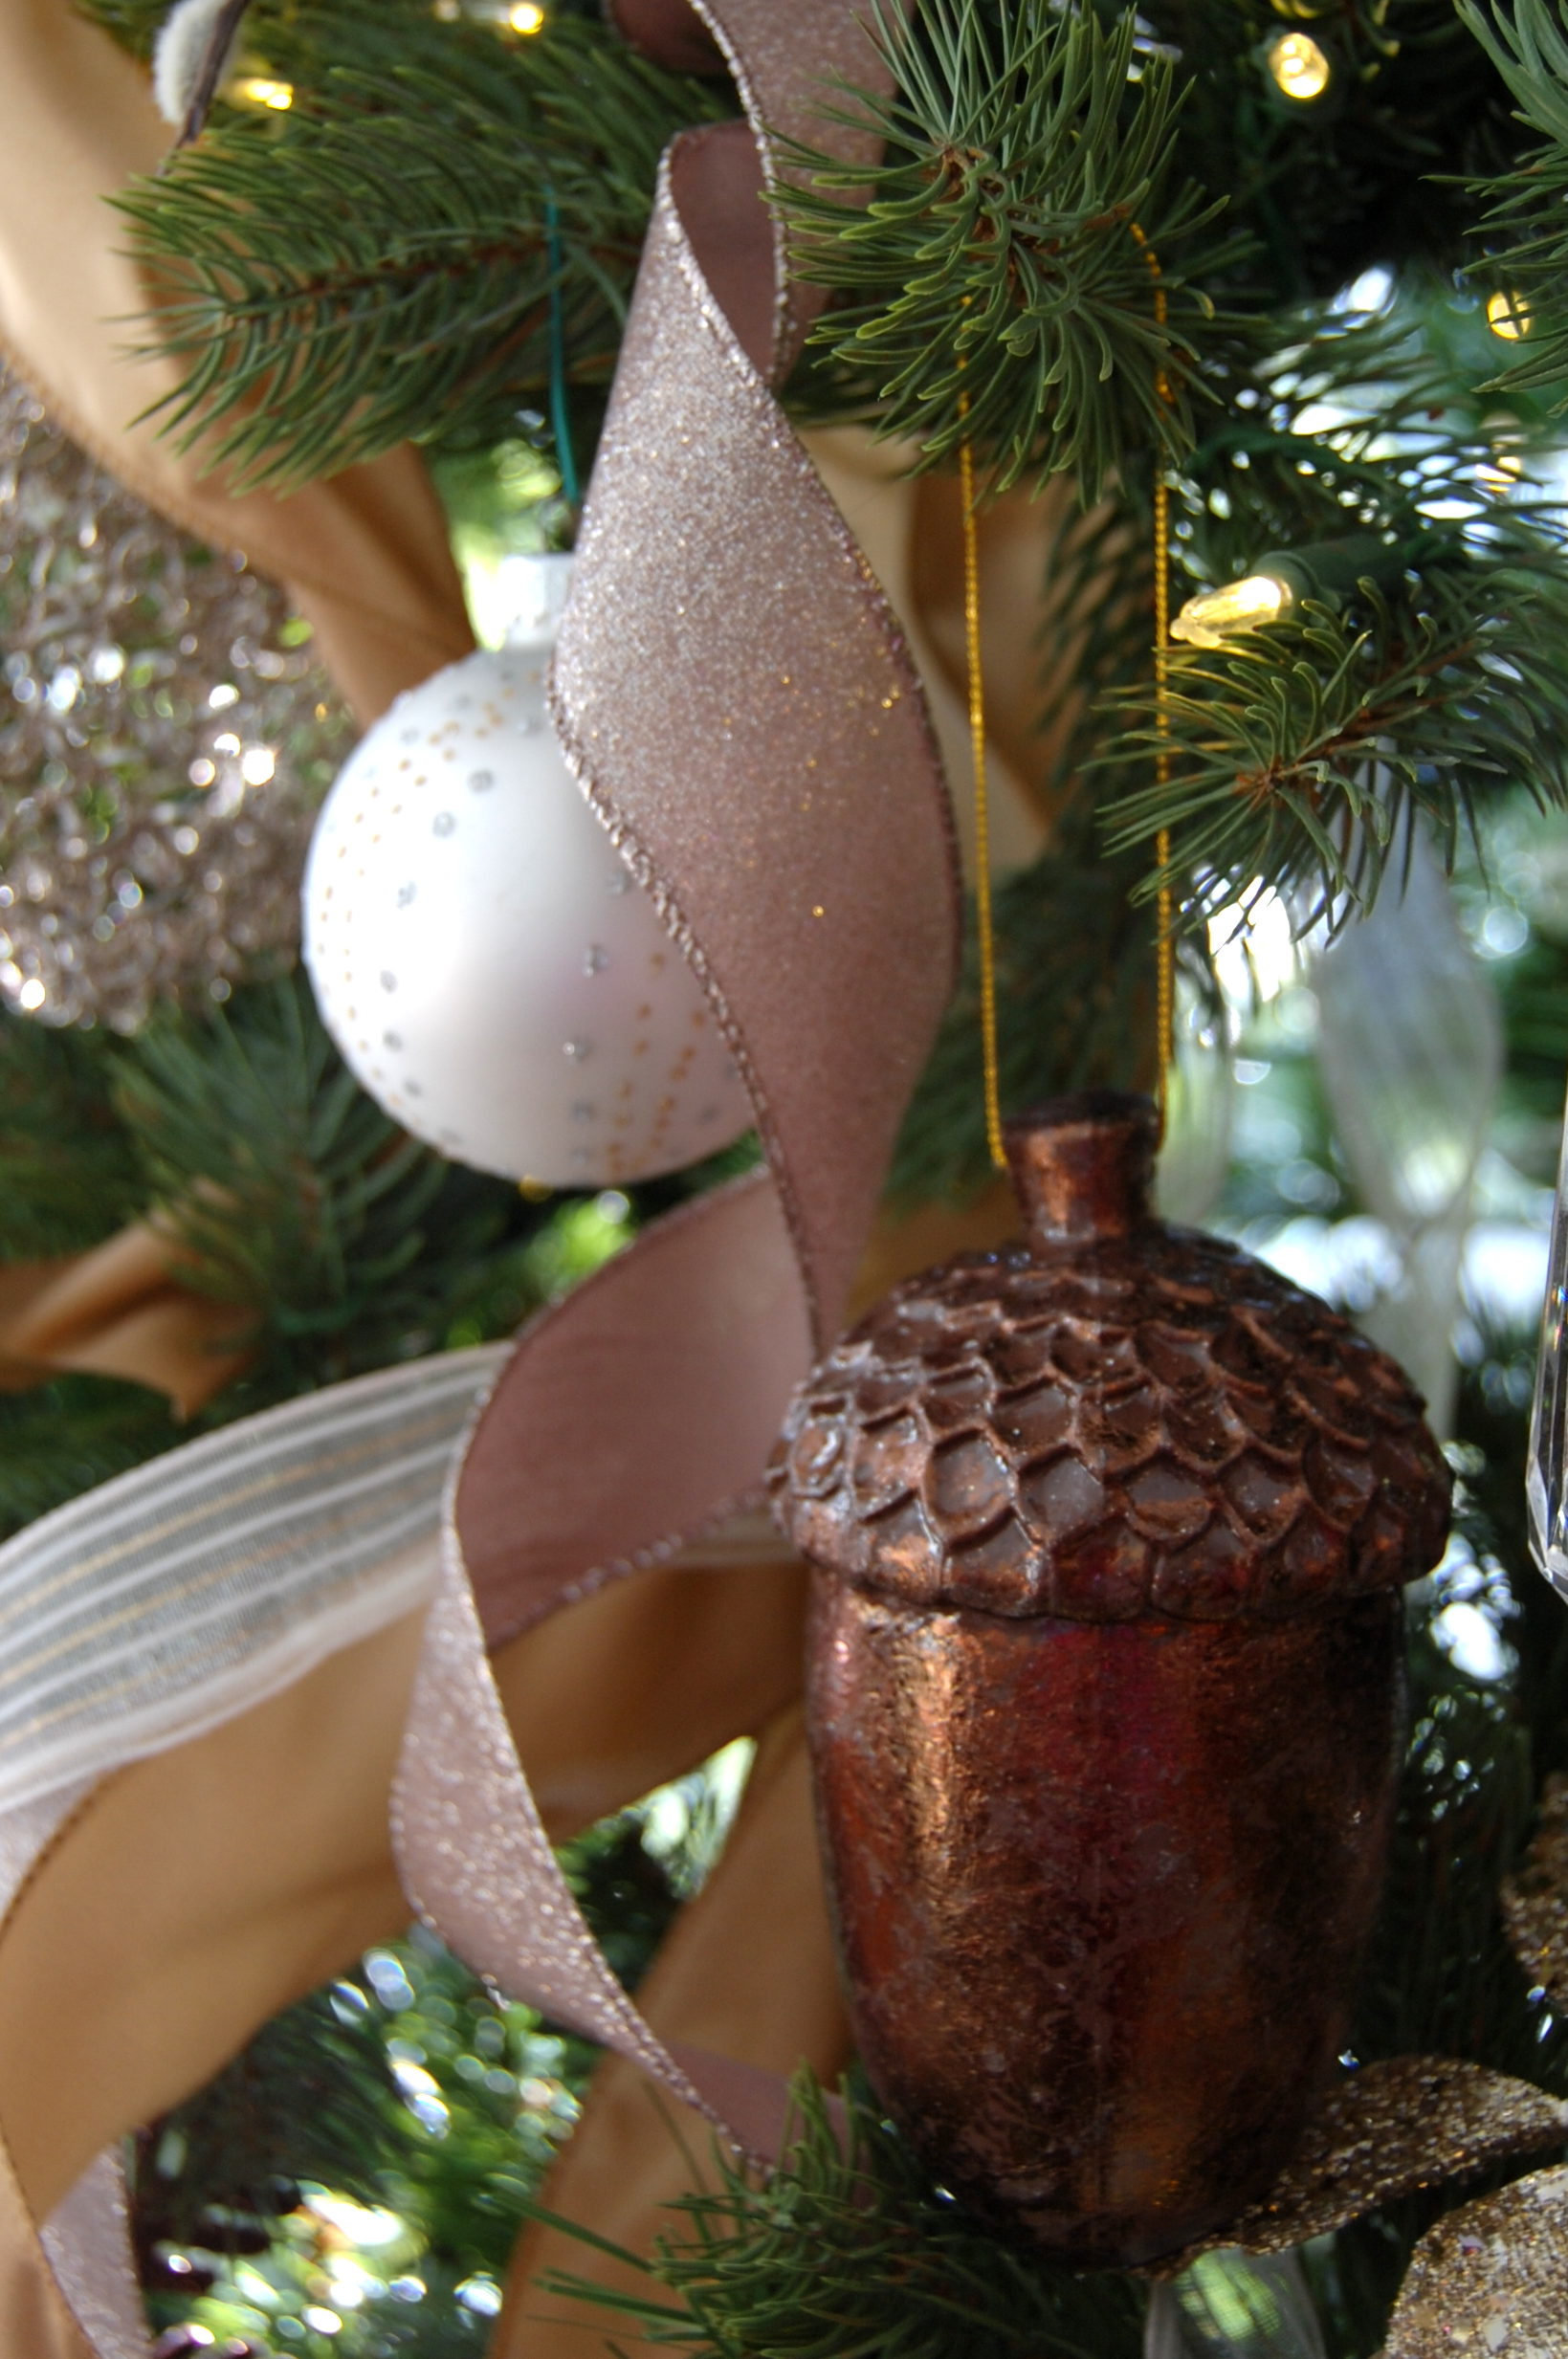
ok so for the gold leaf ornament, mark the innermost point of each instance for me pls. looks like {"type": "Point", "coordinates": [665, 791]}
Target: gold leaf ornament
{"type": "Point", "coordinates": [1382, 2133]}
{"type": "Point", "coordinates": [1490, 2281]}
{"type": "Point", "coordinates": [1534, 1901]}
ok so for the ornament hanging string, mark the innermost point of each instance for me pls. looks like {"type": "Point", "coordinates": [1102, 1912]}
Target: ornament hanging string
{"type": "Point", "coordinates": [983, 812]}
{"type": "Point", "coordinates": [561, 424]}
{"type": "Point", "coordinates": [1165, 907]}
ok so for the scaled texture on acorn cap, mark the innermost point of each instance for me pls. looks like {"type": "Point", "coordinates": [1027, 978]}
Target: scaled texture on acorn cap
{"type": "Point", "coordinates": [1074, 1429]}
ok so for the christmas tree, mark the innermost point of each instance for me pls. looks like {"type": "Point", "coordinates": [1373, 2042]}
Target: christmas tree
{"type": "Point", "coordinates": [1194, 377]}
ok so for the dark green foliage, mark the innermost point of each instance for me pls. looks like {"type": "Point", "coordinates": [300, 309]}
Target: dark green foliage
{"type": "Point", "coordinates": [59, 1439]}
{"type": "Point", "coordinates": [347, 1242]}
{"type": "Point", "coordinates": [373, 266]}
{"type": "Point", "coordinates": [853, 2256]}
{"type": "Point", "coordinates": [1074, 987]}
{"type": "Point", "coordinates": [315, 2101]}
{"type": "Point", "coordinates": [1523, 227]}
{"type": "Point", "coordinates": [1369, 174]}
{"type": "Point", "coordinates": [68, 1176]}
{"type": "Point", "coordinates": [1295, 748]}
{"type": "Point", "coordinates": [311, 2098]}
{"type": "Point", "coordinates": [1000, 280]}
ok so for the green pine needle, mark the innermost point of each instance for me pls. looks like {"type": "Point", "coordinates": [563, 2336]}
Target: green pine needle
{"type": "Point", "coordinates": [850, 2255]}
{"type": "Point", "coordinates": [999, 276]}
{"type": "Point", "coordinates": [374, 266]}
{"type": "Point", "coordinates": [1525, 225]}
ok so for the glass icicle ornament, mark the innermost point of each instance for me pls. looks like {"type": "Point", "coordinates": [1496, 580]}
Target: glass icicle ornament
{"type": "Point", "coordinates": [1546, 1490]}
{"type": "Point", "coordinates": [1232, 2304]}
{"type": "Point", "coordinates": [1410, 1047]}
{"type": "Point", "coordinates": [166, 736]}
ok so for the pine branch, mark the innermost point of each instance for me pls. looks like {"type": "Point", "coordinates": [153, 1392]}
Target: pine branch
{"type": "Point", "coordinates": [1074, 1007]}
{"type": "Point", "coordinates": [1370, 175]}
{"type": "Point", "coordinates": [374, 266]}
{"type": "Point", "coordinates": [1524, 221]}
{"type": "Point", "coordinates": [67, 1172]}
{"type": "Point", "coordinates": [999, 278]}
{"type": "Point", "coordinates": [350, 1245]}
{"type": "Point", "coordinates": [59, 1438]}
{"type": "Point", "coordinates": [1293, 750]}
{"type": "Point", "coordinates": [853, 2254]}
{"type": "Point", "coordinates": [1296, 751]}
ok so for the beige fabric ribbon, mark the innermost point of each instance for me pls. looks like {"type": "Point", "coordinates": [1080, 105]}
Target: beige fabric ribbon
{"type": "Point", "coordinates": [119, 1311]}
{"type": "Point", "coordinates": [710, 1317]}
{"type": "Point", "coordinates": [365, 556]}
{"type": "Point", "coordinates": [743, 714]}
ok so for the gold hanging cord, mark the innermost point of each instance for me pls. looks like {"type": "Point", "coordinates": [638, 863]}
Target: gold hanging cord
{"type": "Point", "coordinates": [1165, 969]}
{"type": "Point", "coordinates": [983, 809]}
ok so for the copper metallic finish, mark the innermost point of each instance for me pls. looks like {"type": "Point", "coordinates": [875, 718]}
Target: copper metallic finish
{"type": "Point", "coordinates": [1105, 1694]}
{"type": "Point", "coordinates": [1099, 1888]}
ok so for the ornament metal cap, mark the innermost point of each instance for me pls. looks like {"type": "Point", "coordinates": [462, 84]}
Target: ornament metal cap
{"type": "Point", "coordinates": [1083, 1166]}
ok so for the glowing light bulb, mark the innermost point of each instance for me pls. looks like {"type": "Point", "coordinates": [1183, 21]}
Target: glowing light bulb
{"type": "Point", "coordinates": [261, 90]}
{"type": "Point", "coordinates": [524, 16]}
{"type": "Point", "coordinates": [1508, 317]}
{"type": "Point", "coordinates": [1216, 615]}
{"type": "Point", "coordinates": [1300, 68]}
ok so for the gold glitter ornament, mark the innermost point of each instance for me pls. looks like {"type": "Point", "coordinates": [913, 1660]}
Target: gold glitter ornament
{"type": "Point", "coordinates": [166, 736]}
{"type": "Point", "coordinates": [1490, 2281]}
{"type": "Point", "coordinates": [1534, 1901]}
{"type": "Point", "coordinates": [1383, 2131]}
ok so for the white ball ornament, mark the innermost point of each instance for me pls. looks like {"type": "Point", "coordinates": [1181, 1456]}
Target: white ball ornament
{"type": "Point", "coordinates": [491, 970]}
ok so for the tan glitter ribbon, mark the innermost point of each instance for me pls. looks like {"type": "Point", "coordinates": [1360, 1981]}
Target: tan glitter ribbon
{"type": "Point", "coordinates": [739, 705]}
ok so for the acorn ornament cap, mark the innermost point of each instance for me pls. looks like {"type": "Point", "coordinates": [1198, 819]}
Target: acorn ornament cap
{"type": "Point", "coordinates": [483, 956]}
{"type": "Point", "coordinates": [1105, 1694]}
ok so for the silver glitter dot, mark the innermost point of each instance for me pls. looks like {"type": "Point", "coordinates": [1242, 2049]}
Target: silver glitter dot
{"type": "Point", "coordinates": [583, 1109]}
{"type": "Point", "coordinates": [595, 959]}
{"type": "Point", "coordinates": [391, 1040]}
{"type": "Point", "coordinates": [414, 1088]}
{"type": "Point", "coordinates": [618, 883]}
{"type": "Point", "coordinates": [576, 1049]}
{"type": "Point", "coordinates": [443, 822]}
{"type": "Point", "coordinates": [388, 981]}
{"type": "Point", "coordinates": [481, 781]}
{"type": "Point", "coordinates": [405, 895]}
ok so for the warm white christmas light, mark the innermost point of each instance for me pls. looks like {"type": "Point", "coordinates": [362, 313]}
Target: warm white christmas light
{"type": "Point", "coordinates": [1507, 316]}
{"type": "Point", "coordinates": [1215, 615]}
{"type": "Point", "coordinates": [261, 90]}
{"type": "Point", "coordinates": [1300, 67]}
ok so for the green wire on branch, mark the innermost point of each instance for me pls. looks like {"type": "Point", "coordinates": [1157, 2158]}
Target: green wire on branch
{"type": "Point", "coordinates": [400, 254]}
{"type": "Point", "coordinates": [995, 284]}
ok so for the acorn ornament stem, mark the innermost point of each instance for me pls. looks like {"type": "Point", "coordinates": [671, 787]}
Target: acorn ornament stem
{"type": "Point", "coordinates": [1105, 1694]}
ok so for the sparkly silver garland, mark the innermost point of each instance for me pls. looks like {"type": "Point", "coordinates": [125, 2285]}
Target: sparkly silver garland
{"type": "Point", "coordinates": [165, 736]}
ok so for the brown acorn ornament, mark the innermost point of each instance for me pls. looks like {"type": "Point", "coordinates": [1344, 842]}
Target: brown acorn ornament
{"type": "Point", "coordinates": [1106, 1694]}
